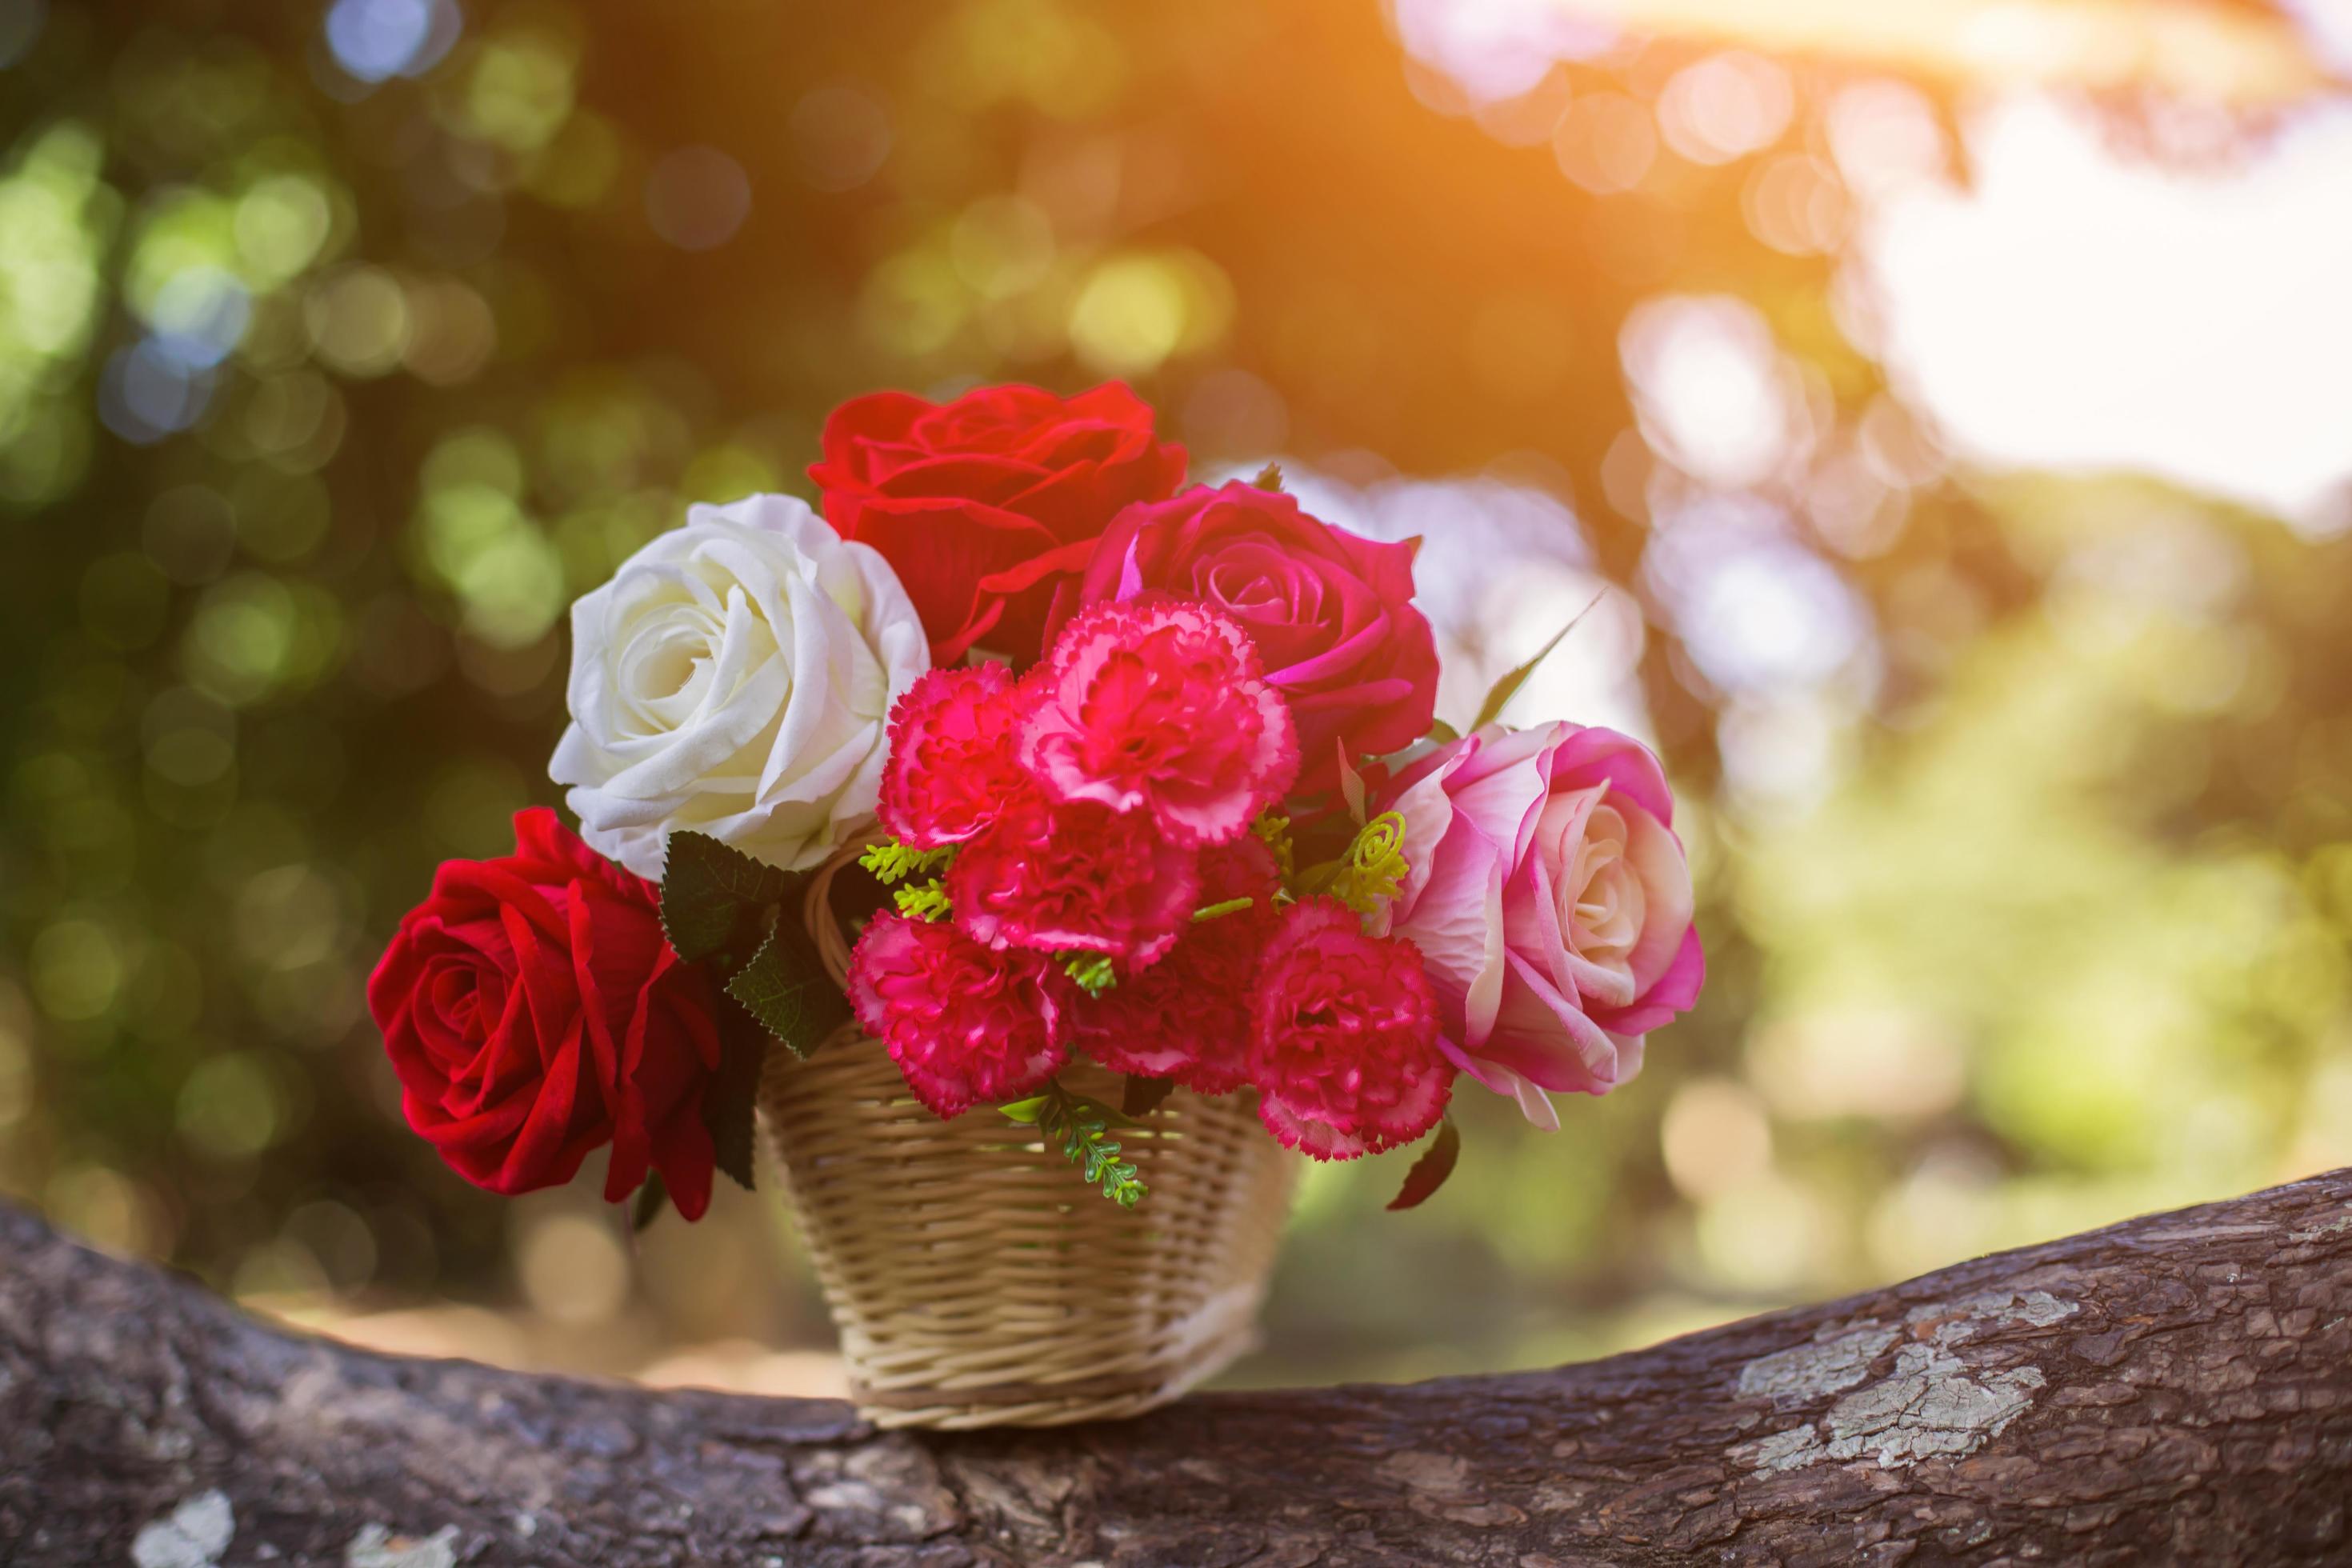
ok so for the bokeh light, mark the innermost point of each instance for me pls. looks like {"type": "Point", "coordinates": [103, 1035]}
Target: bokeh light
{"type": "Point", "coordinates": [377, 39]}
{"type": "Point", "coordinates": [696, 198]}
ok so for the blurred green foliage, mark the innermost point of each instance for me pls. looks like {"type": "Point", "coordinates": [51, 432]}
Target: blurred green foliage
{"type": "Point", "coordinates": [342, 345]}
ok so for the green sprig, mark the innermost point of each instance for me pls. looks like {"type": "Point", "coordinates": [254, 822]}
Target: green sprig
{"type": "Point", "coordinates": [1218, 911]}
{"type": "Point", "coordinates": [1274, 832]}
{"type": "Point", "coordinates": [1081, 1127]}
{"type": "Point", "coordinates": [1092, 971]}
{"type": "Point", "coordinates": [923, 900]}
{"type": "Point", "coordinates": [895, 862]}
{"type": "Point", "coordinates": [1371, 871]}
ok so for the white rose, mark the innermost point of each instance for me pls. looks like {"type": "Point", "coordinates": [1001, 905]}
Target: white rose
{"type": "Point", "coordinates": [735, 677]}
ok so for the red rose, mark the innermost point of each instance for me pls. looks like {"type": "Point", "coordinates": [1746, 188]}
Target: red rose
{"type": "Point", "coordinates": [534, 1010]}
{"type": "Point", "coordinates": [981, 505]}
{"type": "Point", "coordinates": [1331, 615]}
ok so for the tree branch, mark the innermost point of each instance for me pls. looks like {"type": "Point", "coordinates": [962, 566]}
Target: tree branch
{"type": "Point", "coordinates": [2175, 1389]}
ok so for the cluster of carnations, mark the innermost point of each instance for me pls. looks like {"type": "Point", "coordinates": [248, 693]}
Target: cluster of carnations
{"type": "Point", "coordinates": [1106, 877]}
{"type": "Point", "coordinates": [1151, 777]}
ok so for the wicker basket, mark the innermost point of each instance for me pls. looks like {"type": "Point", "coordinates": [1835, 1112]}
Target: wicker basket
{"type": "Point", "coordinates": [977, 1281]}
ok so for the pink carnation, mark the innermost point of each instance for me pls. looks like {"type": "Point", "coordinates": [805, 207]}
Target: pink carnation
{"type": "Point", "coordinates": [1187, 1017]}
{"type": "Point", "coordinates": [1343, 1041]}
{"type": "Point", "coordinates": [1074, 877]}
{"type": "Point", "coordinates": [951, 768]}
{"type": "Point", "coordinates": [966, 1024]}
{"type": "Point", "coordinates": [1331, 615]}
{"type": "Point", "coordinates": [1162, 708]}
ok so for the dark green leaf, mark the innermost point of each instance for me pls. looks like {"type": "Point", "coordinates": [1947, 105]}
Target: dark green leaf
{"type": "Point", "coordinates": [731, 1097]}
{"type": "Point", "coordinates": [713, 896]}
{"type": "Point", "coordinates": [785, 987]}
{"type": "Point", "coordinates": [1502, 691]}
{"type": "Point", "coordinates": [1269, 478]}
{"type": "Point", "coordinates": [1142, 1096]}
{"type": "Point", "coordinates": [652, 1198]}
{"type": "Point", "coordinates": [1429, 1172]}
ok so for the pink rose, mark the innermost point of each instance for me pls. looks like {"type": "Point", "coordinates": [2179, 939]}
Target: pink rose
{"type": "Point", "coordinates": [1551, 903]}
{"type": "Point", "coordinates": [1332, 613]}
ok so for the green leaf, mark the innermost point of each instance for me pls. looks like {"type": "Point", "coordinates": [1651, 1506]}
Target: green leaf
{"type": "Point", "coordinates": [1443, 733]}
{"type": "Point", "coordinates": [1351, 788]}
{"type": "Point", "coordinates": [731, 1097]}
{"type": "Point", "coordinates": [713, 896]}
{"type": "Point", "coordinates": [1500, 694]}
{"type": "Point", "coordinates": [1142, 1096]}
{"type": "Point", "coordinates": [1429, 1172]}
{"type": "Point", "coordinates": [785, 987]}
{"type": "Point", "coordinates": [652, 1198]}
{"type": "Point", "coordinates": [1080, 1126]}
{"type": "Point", "coordinates": [1269, 478]}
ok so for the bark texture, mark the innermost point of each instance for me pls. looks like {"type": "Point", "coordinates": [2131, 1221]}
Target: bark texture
{"type": "Point", "coordinates": [2176, 1389]}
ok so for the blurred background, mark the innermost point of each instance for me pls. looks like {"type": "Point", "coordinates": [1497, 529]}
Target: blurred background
{"type": "Point", "coordinates": [1955, 400]}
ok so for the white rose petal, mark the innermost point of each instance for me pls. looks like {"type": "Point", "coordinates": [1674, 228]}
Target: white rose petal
{"type": "Point", "coordinates": [736, 676]}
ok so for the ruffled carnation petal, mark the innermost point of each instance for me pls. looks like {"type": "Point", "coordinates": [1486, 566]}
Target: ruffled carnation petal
{"type": "Point", "coordinates": [1161, 707]}
{"type": "Point", "coordinates": [1074, 877]}
{"type": "Point", "coordinates": [1187, 1017]}
{"type": "Point", "coordinates": [1343, 1042]}
{"type": "Point", "coordinates": [951, 768]}
{"type": "Point", "coordinates": [966, 1024]}
{"type": "Point", "coordinates": [1332, 613]}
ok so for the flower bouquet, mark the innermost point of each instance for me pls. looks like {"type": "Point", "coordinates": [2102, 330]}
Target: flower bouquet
{"type": "Point", "coordinates": [1024, 829]}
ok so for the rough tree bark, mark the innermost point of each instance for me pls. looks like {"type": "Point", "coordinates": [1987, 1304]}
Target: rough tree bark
{"type": "Point", "coordinates": [2175, 1389]}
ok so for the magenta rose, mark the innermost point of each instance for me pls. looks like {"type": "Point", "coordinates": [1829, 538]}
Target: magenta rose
{"type": "Point", "coordinates": [1551, 903]}
{"type": "Point", "coordinates": [1332, 613]}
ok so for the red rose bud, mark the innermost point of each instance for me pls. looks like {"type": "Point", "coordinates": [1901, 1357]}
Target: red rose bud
{"type": "Point", "coordinates": [533, 1011]}
{"type": "Point", "coordinates": [985, 505]}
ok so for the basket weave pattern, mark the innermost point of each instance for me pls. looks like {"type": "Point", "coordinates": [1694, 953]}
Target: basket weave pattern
{"type": "Point", "coordinates": [975, 1278]}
